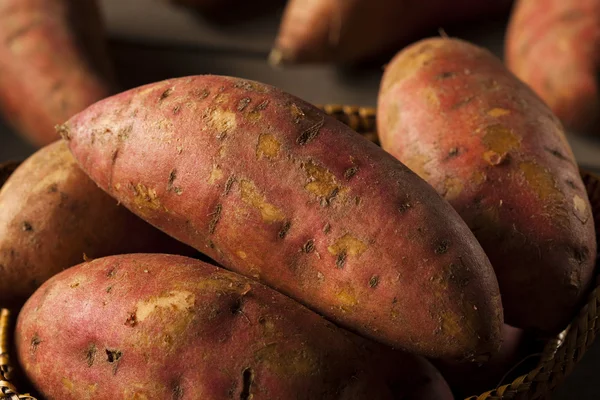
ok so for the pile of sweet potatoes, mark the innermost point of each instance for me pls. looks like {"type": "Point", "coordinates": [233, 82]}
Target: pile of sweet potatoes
{"type": "Point", "coordinates": [335, 267]}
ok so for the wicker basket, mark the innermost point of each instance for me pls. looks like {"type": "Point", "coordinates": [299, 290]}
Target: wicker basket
{"type": "Point", "coordinates": [558, 359]}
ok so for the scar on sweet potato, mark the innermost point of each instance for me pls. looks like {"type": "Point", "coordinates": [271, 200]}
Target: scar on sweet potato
{"type": "Point", "coordinates": [247, 380]}
{"type": "Point", "coordinates": [90, 354]}
{"type": "Point", "coordinates": [216, 215]}
{"type": "Point", "coordinates": [35, 342]}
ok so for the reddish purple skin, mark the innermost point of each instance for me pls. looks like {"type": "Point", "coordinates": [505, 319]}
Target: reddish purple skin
{"type": "Point", "coordinates": [209, 334]}
{"type": "Point", "coordinates": [413, 277]}
{"type": "Point", "coordinates": [453, 113]}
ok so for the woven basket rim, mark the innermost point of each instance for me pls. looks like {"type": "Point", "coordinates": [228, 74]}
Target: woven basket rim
{"type": "Point", "coordinates": [560, 354]}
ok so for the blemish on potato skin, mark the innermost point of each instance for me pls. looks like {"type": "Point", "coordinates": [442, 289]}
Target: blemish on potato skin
{"type": "Point", "coordinates": [350, 172]}
{"type": "Point", "coordinates": [284, 230]}
{"type": "Point", "coordinates": [131, 320]}
{"type": "Point", "coordinates": [462, 103]}
{"type": "Point", "coordinates": [442, 247]}
{"type": "Point", "coordinates": [311, 132]}
{"type": "Point", "coordinates": [374, 281]}
{"type": "Point", "coordinates": [540, 180]}
{"type": "Point", "coordinates": [556, 153]}
{"type": "Point", "coordinates": [580, 209]}
{"type": "Point", "coordinates": [27, 227]}
{"type": "Point", "coordinates": [327, 228]}
{"type": "Point", "coordinates": [200, 93]}
{"type": "Point", "coordinates": [251, 196]}
{"type": "Point", "coordinates": [309, 246]}
{"type": "Point", "coordinates": [445, 75]}
{"type": "Point", "coordinates": [347, 245]}
{"type": "Point", "coordinates": [453, 188]}
{"type": "Point", "coordinates": [267, 147]}
{"type": "Point", "coordinates": [243, 103]}
{"type": "Point", "coordinates": [500, 139]}
{"type": "Point", "coordinates": [247, 380]}
{"type": "Point", "coordinates": [216, 216]}
{"type": "Point", "coordinates": [340, 261]}
{"type": "Point", "coordinates": [145, 198]}
{"type": "Point", "coordinates": [494, 159]}
{"type": "Point", "coordinates": [177, 392]}
{"type": "Point", "coordinates": [35, 342]}
{"type": "Point", "coordinates": [166, 94]}
{"type": "Point", "coordinates": [347, 298]}
{"type": "Point", "coordinates": [228, 185]}
{"type": "Point", "coordinates": [90, 354]}
{"type": "Point", "coordinates": [215, 174]}
{"type": "Point", "coordinates": [111, 273]}
{"type": "Point", "coordinates": [321, 182]}
{"type": "Point", "coordinates": [498, 112]}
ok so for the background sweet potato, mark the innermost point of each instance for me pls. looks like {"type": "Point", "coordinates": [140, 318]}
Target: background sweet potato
{"type": "Point", "coordinates": [351, 30]}
{"type": "Point", "coordinates": [51, 214]}
{"type": "Point", "coordinates": [269, 186]}
{"type": "Point", "coordinates": [451, 112]}
{"type": "Point", "coordinates": [148, 326]}
{"type": "Point", "coordinates": [53, 63]}
{"type": "Point", "coordinates": [554, 47]}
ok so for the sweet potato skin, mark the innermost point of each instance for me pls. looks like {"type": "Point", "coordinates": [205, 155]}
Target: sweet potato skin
{"type": "Point", "coordinates": [152, 326]}
{"type": "Point", "coordinates": [53, 63]}
{"type": "Point", "coordinates": [554, 47]}
{"type": "Point", "coordinates": [452, 113]}
{"type": "Point", "coordinates": [246, 174]}
{"type": "Point", "coordinates": [52, 214]}
{"type": "Point", "coordinates": [316, 31]}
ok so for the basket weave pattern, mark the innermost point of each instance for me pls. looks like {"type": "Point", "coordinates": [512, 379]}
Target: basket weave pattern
{"type": "Point", "coordinates": [560, 354]}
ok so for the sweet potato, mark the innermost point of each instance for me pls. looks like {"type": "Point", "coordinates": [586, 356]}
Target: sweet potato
{"type": "Point", "coordinates": [408, 376]}
{"type": "Point", "coordinates": [51, 214]}
{"type": "Point", "coordinates": [351, 30]}
{"type": "Point", "coordinates": [452, 113]}
{"type": "Point", "coordinates": [554, 47]}
{"type": "Point", "coordinates": [150, 326]}
{"type": "Point", "coordinates": [53, 63]}
{"type": "Point", "coordinates": [473, 378]}
{"type": "Point", "coordinates": [272, 188]}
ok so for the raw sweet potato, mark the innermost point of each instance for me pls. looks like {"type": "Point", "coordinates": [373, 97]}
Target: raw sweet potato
{"type": "Point", "coordinates": [554, 47]}
{"type": "Point", "coordinates": [272, 188]}
{"type": "Point", "coordinates": [51, 214]}
{"type": "Point", "coordinates": [53, 63]}
{"type": "Point", "coordinates": [473, 378]}
{"type": "Point", "coordinates": [351, 30]}
{"type": "Point", "coordinates": [150, 326]}
{"type": "Point", "coordinates": [452, 113]}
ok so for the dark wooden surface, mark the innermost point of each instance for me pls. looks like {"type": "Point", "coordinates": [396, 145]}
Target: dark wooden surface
{"type": "Point", "coordinates": [151, 41]}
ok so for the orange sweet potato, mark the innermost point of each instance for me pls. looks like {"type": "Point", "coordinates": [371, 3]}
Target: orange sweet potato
{"type": "Point", "coordinates": [554, 47]}
{"type": "Point", "coordinates": [452, 113]}
{"type": "Point", "coordinates": [51, 214]}
{"type": "Point", "coordinates": [272, 188]}
{"type": "Point", "coordinates": [53, 63]}
{"type": "Point", "coordinates": [150, 326]}
{"type": "Point", "coordinates": [351, 30]}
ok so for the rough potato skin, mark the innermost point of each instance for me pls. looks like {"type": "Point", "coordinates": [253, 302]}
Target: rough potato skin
{"type": "Point", "coordinates": [272, 188]}
{"type": "Point", "coordinates": [152, 326]}
{"type": "Point", "coordinates": [316, 31]}
{"type": "Point", "coordinates": [53, 63]}
{"type": "Point", "coordinates": [452, 113]}
{"type": "Point", "coordinates": [51, 214]}
{"type": "Point", "coordinates": [554, 47]}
